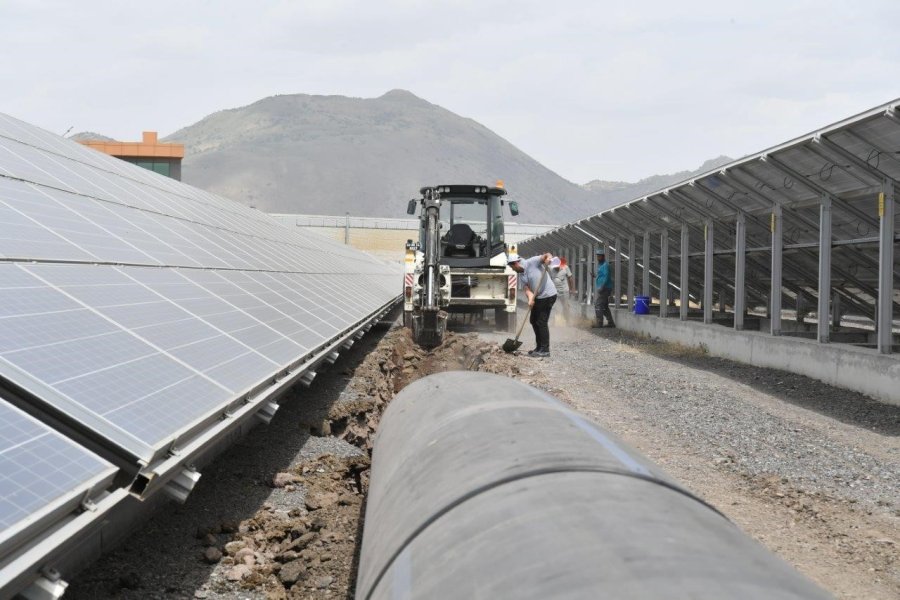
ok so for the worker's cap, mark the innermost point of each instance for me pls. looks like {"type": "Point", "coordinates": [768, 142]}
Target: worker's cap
{"type": "Point", "coordinates": [512, 258]}
{"type": "Point", "coordinates": [600, 251]}
{"type": "Point", "coordinates": [555, 262]}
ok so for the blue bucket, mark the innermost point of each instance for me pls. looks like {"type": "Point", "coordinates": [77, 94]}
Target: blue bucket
{"type": "Point", "coordinates": [642, 305]}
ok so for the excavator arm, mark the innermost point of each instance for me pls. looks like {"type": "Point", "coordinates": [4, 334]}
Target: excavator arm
{"type": "Point", "coordinates": [429, 322]}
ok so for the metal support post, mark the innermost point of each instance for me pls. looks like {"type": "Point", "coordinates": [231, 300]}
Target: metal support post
{"type": "Point", "coordinates": [645, 272]}
{"type": "Point", "coordinates": [664, 273]}
{"type": "Point", "coordinates": [884, 326]}
{"type": "Point", "coordinates": [576, 266]}
{"type": "Point", "coordinates": [579, 277]}
{"type": "Point", "coordinates": [824, 268]}
{"type": "Point", "coordinates": [708, 238]}
{"type": "Point", "coordinates": [585, 277]}
{"type": "Point", "coordinates": [740, 271]}
{"type": "Point", "coordinates": [685, 278]}
{"type": "Point", "coordinates": [617, 278]}
{"type": "Point", "coordinates": [835, 311]}
{"type": "Point", "coordinates": [631, 266]}
{"type": "Point", "coordinates": [347, 229]}
{"type": "Point", "coordinates": [573, 263]}
{"type": "Point", "coordinates": [775, 286]}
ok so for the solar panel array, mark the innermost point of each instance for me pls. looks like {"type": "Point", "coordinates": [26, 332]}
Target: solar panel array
{"type": "Point", "coordinates": [135, 310]}
{"type": "Point", "coordinates": [848, 162]}
{"type": "Point", "coordinates": [40, 470]}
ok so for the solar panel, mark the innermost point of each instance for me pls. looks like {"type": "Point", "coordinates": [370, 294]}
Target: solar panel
{"type": "Point", "coordinates": [847, 162]}
{"type": "Point", "coordinates": [41, 472]}
{"type": "Point", "coordinates": [142, 308]}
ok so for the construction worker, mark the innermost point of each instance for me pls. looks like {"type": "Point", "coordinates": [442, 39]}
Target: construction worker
{"type": "Point", "coordinates": [565, 285]}
{"type": "Point", "coordinates": [540, 300]}
{"type": "Point", "coordinates": [604, 286]}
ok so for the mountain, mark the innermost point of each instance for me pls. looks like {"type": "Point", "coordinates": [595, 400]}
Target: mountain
{"type": "Point", "coordinates": [367, 156]}
{"type": "Point", "coordinates": [611, 193]}
{"type": "Point", "coordinates": [333, 154]}
{"type": "Point", "coordinates": [90, 136]}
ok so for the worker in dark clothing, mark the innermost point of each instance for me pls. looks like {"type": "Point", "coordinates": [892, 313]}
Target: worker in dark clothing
{"type": "Point", "coordinates": [540, 300]}
{"type": "Point", "coordinates": [604, 286]}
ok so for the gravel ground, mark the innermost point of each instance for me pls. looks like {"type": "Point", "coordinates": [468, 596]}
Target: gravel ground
{"type": "Point", "coordinates": [811, 470]}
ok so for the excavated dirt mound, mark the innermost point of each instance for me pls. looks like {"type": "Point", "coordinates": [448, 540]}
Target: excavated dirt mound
{"type": "Point", "coordinates": [311, 550]}
{"type": "Point", "coordinates": [397, 362]}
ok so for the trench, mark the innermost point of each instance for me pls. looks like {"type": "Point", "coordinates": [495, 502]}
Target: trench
{"type": "Point", "coordinates": [312, 551]}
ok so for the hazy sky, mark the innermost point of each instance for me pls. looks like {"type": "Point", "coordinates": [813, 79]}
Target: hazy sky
{"type": "Point", "coordinates": [591, 89]}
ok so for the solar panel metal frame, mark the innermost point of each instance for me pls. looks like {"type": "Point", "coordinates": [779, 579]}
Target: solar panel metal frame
{"type": "Point", "coordinates": [13, 536]}
{"type": "Point", "coordinates": [835, 158]}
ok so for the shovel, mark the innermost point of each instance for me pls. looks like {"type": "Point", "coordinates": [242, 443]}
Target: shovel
{"type": "Point", "coordinates": [511, 345]}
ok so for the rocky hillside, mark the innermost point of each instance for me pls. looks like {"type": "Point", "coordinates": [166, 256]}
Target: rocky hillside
{"type": "Point", "coordinates": [90, 136]}
{"type": "Point", "coordinates": [333, 154]}
{"type": "Point", "coordinates": [611, 193]}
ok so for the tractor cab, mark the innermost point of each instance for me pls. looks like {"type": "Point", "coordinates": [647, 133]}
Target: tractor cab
{"type": "Point", "coordinates": [471, 224]}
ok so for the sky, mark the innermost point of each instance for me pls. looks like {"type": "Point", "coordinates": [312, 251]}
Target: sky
{"type": "Point", "coordinates": [591, 89]}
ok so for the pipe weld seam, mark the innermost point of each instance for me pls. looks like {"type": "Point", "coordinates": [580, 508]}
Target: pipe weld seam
{"type": "Point", "coordinates": [519, 477]}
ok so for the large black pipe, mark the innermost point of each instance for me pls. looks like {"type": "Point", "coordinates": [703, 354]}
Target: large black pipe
{"type": "Point", "coordinates": [484, 487]}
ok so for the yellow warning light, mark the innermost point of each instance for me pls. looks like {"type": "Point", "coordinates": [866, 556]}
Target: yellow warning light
{"type": "Point", "coordinates": [499, 184]}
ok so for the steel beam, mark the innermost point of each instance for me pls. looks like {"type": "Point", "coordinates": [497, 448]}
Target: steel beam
{"type": "Point", "coordinates": [836, 311]}
{"type": "Point", "coordinates": [585, 269]}
{"type": "Point", "coordinates": [761, 291]}
{"type": "Point", "coordinates": [824, 267]}
{"type": "Point", "coordinates": [708, 238]}
{"type": "Point", "coordinates": [631, 267]}
{"type": "Point", "coordinates": [735, 182]}
{"type": "Point", "coordinates": [817, 189]}
{"type": "Point", "coordinates": [648, 216]}
{"type": "Point", "coordinates": [576, 265]}
{"type": "Point", "coordinates": [617, 283]}
{"type": "Point", "coordinates": [864, 177]}
{"type": "Point", "coordinates": [586, 232]}
{"type": "Point", "coordinates": [740, 271]}
{"type": "Point", "coordinates": [627, 223]}
{"type": "Point", "coordinates": [874, 173]}
{"type": "Point", "coordinates": [664, 273]}
{"type": "Point", "coordinates": [645, 271]}
{"type": "Point", "coordinates": [685, 281]}
{"type": "Point", "coordinates": [885, 321]}
{"type": "Point", "coordinates": [775, 287]}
